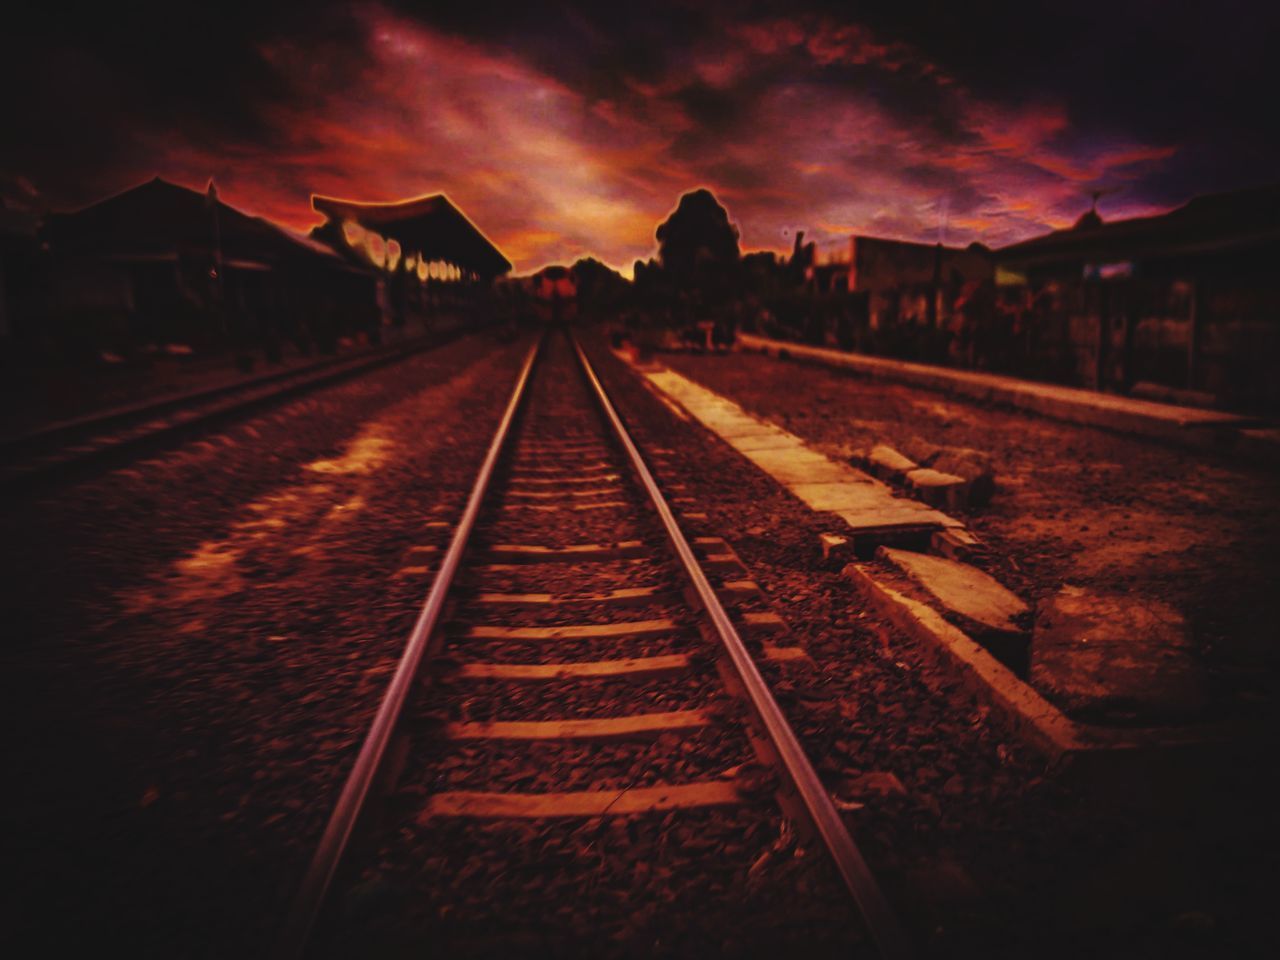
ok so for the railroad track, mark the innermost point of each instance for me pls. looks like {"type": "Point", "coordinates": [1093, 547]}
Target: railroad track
{"type": "Point", "coordinates": [75, 447]}
{"type": "Point", "coordinates": [581, 685]}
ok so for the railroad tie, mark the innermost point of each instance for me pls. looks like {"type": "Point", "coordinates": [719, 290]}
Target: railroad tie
{"type": "Point", "coordinates": [659, 626]}
{"type": "Point", "coordinates": [594, 669]}
{"type": "Point", "coordinates": [595, 466]}
{"type": "Point", "coordinates": [535, 553]}
{"type": "Point", "coordinates": [572, 508]}
{"type": "Point", "coordinates": [595, 728]}
{"type": "Point", "coordinates": [583, 803]}
{"type": "Point", "coordinates": [559, 481]}
{"type": "Point", "coordinates": [625, 596]}
{"type": "Point", "coordinates": [561, 494]}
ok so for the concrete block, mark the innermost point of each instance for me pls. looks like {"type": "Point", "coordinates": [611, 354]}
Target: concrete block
{"type": "Point", "coordinates": [973, 466]}
{"type": "Point", "coordinates": [937, 488]}
{"type": "Point", "coordinates": [835, 548]}
{"type": "Point", "coordinates": [1042, 723]}
{"type": "Point", "coordinates": [956, 543]}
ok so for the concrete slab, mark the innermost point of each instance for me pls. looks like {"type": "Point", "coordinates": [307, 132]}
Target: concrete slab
{"type": "Point", "coordinates": [896, 513]}
{"type": "Point", "coordinates": [1116, 658]}
{"type": "Point", "coordinates": [730, 426]}
{"type": "Point", "coordinates": [838, 496]}
{"type": "Point", "coordinates": [1188, 425]}
{"type": "Point", "coordinates": [962, 589]}
{"type": "Point", "coordinates": [886, 462]}
{"type": "Point", "coordinates": [966, 591]}
{"type": "Point", "coordinates": [765, 441]}
{"type": "Point", "coordinates": [1042, 723]}
{"type": "Point", "coordinates": [867, 505]}
{"type": "Point", "coordinates": [798, 465]}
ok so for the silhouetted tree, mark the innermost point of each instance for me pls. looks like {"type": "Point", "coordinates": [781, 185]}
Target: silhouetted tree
{"type": "Point", "coordinates": [600, 288]}
{"type": "Point", "coordinates": [696, 236]}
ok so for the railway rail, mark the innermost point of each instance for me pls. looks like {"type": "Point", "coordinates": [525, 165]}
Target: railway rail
{"type": "Point", "coordinates": [73, 447]}
{"type": "Point", "coordinates": [578, 658]}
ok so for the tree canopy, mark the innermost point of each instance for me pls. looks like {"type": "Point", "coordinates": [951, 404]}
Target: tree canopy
{"type": "Point", "coordinates": [697, 233]}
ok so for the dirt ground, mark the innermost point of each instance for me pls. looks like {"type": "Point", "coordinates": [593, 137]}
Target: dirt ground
{"type": "Point", "coordinates": [1073, 505]}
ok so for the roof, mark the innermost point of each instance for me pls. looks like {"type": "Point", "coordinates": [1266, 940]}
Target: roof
{"type": "Point", "coordinates": [159, 219]}
{"type": "Point", "coordinates": [17, 223]}
{"type": "Point", "coordinates": [430, 225]}
{"type": "Point", "coordinates": [1208, 224]}
{"type": "Point", "coordinates": [864, 238]}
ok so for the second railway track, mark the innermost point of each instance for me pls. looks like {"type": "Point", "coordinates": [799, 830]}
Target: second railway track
{"type": "Point", "coordinates": [96, 442]}
{"type": "Point", "coordinates": [577, 752]}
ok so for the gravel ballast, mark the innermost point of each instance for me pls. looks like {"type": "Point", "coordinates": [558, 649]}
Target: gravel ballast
{"type": "Point", "coordinates": [1144, 858]}
{"type": "Point", "coordinates": [200, 639]}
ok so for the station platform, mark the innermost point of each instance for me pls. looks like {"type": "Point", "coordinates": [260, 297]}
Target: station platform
{"type": "Point", "coordinates": [1184, 426]}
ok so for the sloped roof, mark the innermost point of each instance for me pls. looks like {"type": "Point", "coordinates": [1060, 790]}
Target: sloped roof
{"type": "Point", "coordinates": [1207, 224]}
{"type": "Point", "coordinates": [160, 219]}
{"type": "Point", "coordinates": [430, 225]}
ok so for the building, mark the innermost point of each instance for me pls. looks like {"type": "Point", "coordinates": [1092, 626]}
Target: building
{"type": "Point", "coordinates": [428, 236]}
{"type": "Point", "coordinates": [161, 265]}
{"type": "Point", "coordinates": [901, 280]}
{"type": "Point", "coordinates": [889, 296]}
{"type": "Point", "coordinates": [1185, 304]}
{"type": "Point", "coordinates": [434, 263]}
{"type": "Point", "coordinates": [19, 261]}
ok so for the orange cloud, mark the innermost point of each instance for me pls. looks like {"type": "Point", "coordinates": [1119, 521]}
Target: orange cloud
{"type": "Point", "coordinates": [551, 172]}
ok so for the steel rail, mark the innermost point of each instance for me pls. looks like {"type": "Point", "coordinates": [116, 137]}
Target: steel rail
{"type": "Point", "coordinates": [71, 447]}
{"type": "Point", "coordinates": [888, 934]}
{"type": "Point", "coordinates": [346, 812]}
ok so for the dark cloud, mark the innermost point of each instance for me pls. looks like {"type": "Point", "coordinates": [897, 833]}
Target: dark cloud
{"type": "Point", "coordinates": [574, 126]}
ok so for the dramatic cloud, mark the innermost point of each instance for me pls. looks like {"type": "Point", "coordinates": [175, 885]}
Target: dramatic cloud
{"type": "Point", "coordinates": [565, 137]}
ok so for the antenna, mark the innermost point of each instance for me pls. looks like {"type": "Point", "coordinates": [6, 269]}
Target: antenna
{"type": "Point", "coordinates": [1099, 193]}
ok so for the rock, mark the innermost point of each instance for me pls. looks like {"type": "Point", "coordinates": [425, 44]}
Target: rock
{"type": "Point", "coordinates": [878, 783]}
{"type": "Point", "coordinates": [1106, 657]}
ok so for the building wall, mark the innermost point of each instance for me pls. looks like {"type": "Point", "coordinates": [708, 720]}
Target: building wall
{"type": "Point", "coordinates": [1202, 327]}
{"type": "Point", "coordinates": [1208, 325]}
{"type": "Point", "coordinates": [880, 266]}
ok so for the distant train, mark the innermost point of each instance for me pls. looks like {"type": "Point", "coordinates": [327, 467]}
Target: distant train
{"type": "Point", "coordinates": [555, 294]}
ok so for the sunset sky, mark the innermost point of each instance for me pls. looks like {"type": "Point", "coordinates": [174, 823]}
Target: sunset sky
{"type": "Point", "coordinates": [563, 131]}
